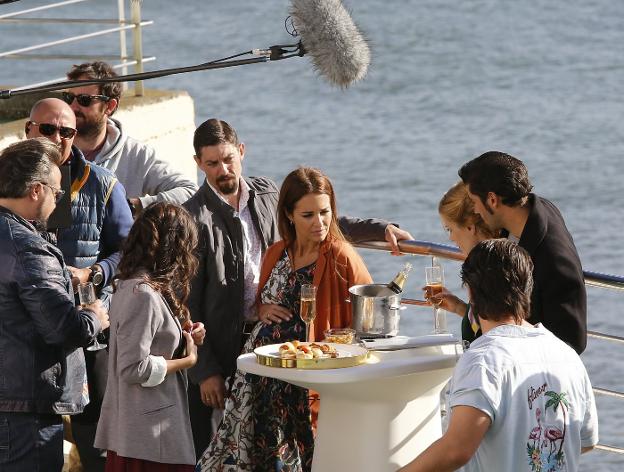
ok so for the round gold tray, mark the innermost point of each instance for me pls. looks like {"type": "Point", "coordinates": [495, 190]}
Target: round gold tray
{"type": "Point", "coordinates": [349, 355]}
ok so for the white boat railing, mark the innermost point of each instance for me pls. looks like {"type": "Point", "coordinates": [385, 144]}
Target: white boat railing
{"type": "Point", "coordinates": [121, 26]}
{"type": "Point", "coordinates": [445, 251]}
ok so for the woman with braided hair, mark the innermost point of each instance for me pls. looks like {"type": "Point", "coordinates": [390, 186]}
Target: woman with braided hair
{"type": "Point", "coordinates": [145, 423]}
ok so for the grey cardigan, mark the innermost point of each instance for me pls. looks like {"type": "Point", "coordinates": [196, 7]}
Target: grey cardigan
{"type": "Point", "coordinates": [150, 423]}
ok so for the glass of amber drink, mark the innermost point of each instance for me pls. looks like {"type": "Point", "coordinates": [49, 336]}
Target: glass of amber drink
{"type": "Point", "coordinates": [307, 306]}
{"type": "Point", "coordinates": [86, 294]}
{"type": "Point", "coordinates": [434, 283]}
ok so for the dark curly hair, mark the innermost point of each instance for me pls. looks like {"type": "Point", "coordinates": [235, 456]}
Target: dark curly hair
{"type": "Point", "coordinates": [497, 172]}
{"type": "Point", "coordinates": [160, 249]}
{"type": "Point", "coordinates": [499, 274]}
{"type": "Point", "coordinates": [98, 70]}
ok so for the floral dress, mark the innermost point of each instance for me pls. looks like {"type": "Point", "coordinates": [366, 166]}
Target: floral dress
{"type": "Point", "coordinates": [266, 424]}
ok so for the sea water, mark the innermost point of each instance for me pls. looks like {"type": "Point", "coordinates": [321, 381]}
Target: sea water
{"type": "Point", "coordinates": [449, 80]}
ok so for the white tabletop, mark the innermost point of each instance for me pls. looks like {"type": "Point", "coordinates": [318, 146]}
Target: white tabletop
{"type": "Point", "coordinates": [430, 354]}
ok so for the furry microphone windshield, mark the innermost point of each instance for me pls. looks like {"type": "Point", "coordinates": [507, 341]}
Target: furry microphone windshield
{"type": "Point", "coordinates": [339, 51]}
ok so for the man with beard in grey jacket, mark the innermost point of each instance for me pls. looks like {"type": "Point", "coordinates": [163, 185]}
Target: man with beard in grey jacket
{"type": "Point", "coordinates": [104, 141]}
{"type": "Point", "coordinates": [237, 222]}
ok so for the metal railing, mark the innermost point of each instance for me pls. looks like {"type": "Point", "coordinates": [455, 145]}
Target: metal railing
{"type": "Point", "coordinates": [445, 251]}
{"type": "Point", "coordinates": [122, 26]}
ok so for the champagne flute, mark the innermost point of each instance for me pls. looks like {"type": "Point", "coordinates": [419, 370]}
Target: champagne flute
{"type": "Point", "coordinates": [307, 306]}
{"type": "Point", "coordinates": [434, 283]}
{"type": "Point", "coordinates": [86, 294]}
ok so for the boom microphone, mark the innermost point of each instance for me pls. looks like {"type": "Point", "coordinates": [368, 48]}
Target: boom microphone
{"type": "Point", "coordinates": [328, 34]}
{"type": "Point", "coordinates": [339, 51]}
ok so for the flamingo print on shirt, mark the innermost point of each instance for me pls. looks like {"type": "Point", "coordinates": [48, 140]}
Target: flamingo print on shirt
{"type": "Point", "coordinates": [536, 433]}
{"type": "Point", "coordinates": [545, 441]}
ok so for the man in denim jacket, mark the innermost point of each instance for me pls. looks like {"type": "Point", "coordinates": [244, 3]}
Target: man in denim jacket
{"type": "Point", "coordinates": [42, 372]}
{"type": "Point", "coordinates": [91, 245]}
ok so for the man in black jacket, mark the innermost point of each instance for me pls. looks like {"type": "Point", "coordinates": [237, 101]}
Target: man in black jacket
{"type": "Point", "coordinates": [42, 370]}
{"type": "Point", "coordinates": [499, 186]}
{"type": "Point", "coordinates": [237, 221]}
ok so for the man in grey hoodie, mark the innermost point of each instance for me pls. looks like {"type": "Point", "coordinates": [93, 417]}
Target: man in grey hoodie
{"type": "Point", "coordinates": [103, 140]}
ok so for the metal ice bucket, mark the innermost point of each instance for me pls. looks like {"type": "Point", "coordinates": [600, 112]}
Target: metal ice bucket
{"type": "Point", "coordinates": [375, 309]}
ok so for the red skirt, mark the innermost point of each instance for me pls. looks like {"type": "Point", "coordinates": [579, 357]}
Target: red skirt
{"type": "Point", "coordinates": [115, 463]}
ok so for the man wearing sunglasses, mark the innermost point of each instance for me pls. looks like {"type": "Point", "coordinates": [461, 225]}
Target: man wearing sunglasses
{"type": "Point", "coordinates": [104, 141]}
{"type": "Point", "coordinates": [101, 220]}
{"type": "Point", "coordinates": [42, 367]}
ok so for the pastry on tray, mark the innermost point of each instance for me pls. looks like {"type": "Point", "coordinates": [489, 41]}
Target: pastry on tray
{"type": "Point", "coordinates": [299, 350]}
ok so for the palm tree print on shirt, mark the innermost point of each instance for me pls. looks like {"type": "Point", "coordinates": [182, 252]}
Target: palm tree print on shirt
{"type": "Point", "coordinates": [545, 442]}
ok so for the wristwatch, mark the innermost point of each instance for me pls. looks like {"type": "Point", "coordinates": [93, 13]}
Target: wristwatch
{"type": "Point", "coordinates": [97, 275]}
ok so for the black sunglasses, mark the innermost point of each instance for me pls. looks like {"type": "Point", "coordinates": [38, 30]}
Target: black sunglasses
{"type": "Point", "coordinates": [48, 129]}
{"type": "Point", "coordinates": [83, 99]}
{"type": "Point", "coordinates": [58, 193]}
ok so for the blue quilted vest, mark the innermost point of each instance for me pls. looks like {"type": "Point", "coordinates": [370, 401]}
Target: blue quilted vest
{"type": "Point", "coordinates": [90, 190]}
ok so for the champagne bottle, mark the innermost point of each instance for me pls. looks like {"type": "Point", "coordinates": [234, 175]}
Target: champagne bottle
{"type": "Point", "coordinates": [396, 285]}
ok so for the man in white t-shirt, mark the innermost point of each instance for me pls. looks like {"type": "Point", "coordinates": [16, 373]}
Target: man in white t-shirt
{"type": "Point", "coordinates": [521, 399]}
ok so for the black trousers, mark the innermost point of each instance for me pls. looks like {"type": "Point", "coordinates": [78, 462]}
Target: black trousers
{"type": "Point", "coordinates": [201, 420]}
{"type": "Point", "coordinates": [84, 425]}
{"type": "Point", "coordinates": [92, 459]}
{"type": "Point", "coordinates": [201, 415]}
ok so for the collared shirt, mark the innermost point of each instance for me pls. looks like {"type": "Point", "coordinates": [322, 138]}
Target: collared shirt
{"type": "Point", "coordinates": [253, 249]}
{"type": "Point", "coordinates": [537, 394]}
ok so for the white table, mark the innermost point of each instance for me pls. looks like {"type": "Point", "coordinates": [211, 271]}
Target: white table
{"type": "Point", "coordinates": [376, 416]}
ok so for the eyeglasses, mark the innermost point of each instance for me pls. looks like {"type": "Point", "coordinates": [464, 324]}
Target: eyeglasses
{"type": "Point", "coordinates": [48, 129]}
{"type": "Point", "coordinates": [58, 192]}
{"type": "Point", "coordinates": [83, 99]}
